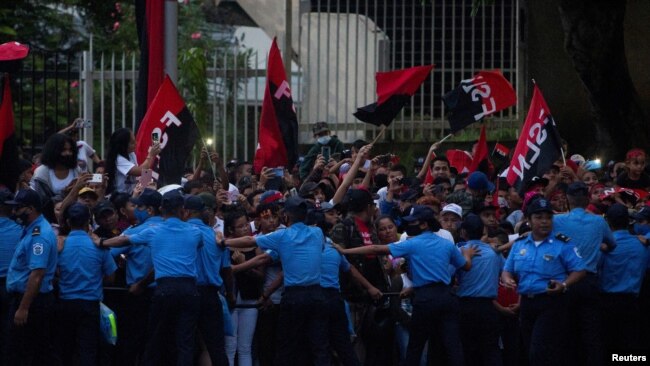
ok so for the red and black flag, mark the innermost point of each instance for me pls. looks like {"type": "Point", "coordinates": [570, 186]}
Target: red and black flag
{"type": "Point", "coordinates": [538, 146]}
{"type": "Point", "coordinates": [486, 93]}
{"type": "Point", "coordinates": [480, 159]}
{"type": "Point", "coordinates": [9, 157]}
{"type": "Point", "coordinates": [394, 90]}
{"type": "Point", "coordinates": [169, 117]}
{"type": "Point", "coordinates": [460, 159]}
{"type": "Point", "coordinates": [501, 150]}
{"type": "Point", "coordinates": [277, 145]}
{"type": "Point", "coordinates": [150, 20]}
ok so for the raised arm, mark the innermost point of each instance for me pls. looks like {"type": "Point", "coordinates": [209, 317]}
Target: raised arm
{"type": "Point", "coordinates": [349, 176]}
{"type": "Point", "coordinates": [427, 161]}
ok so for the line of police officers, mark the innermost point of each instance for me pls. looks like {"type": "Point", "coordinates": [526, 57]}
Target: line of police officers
{"type": "Point", "coordinates": [186, 260]}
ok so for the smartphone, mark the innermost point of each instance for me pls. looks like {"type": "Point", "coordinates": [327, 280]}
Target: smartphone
{"type": "Point", "coordinates": [97, 178]}
{"type": "Point", "coordinates": [146, 177]}
{"type": "Point", "coordinates": [232, 195]}
{"type": "Point", "coordinates": [84, 123]}
{"type": "Point", "coordinates": [279, 172]}
{"type": "Point", "coordinates": [293, 192]}
{"type": "Point", "coordinates": [325, 151]}
{"type": "Point", "coordinates": [155, 137]}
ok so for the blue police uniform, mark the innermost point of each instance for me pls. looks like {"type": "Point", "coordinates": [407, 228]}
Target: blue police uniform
{"type": "Point", "coordinates": [174, 249]}
{"type": "Point", "coordinates": [210, 260]}
{"type": "Point", "coordinates": [621, 274]}
{"type": "Point", "coordinates": [479, 319]}
{"type": "Point", "coordinates": [339, 337]}
{"type": "Point", "coordinates": [302, 307]}
{"type": "Point", "coordinates": [82, 267]}
{"type": "Point", "coordinates": [135, 312]}
{"type": "Point", "coordinates": [543, 317]}
{"type": "Point", "coordinates": [36, 250]}
{"type": "Point", "coordinates": [435, 309]}
{"type": "Point", "coordinates": [11, 233]}
{"type": "Point", "coordinates": [587, 231]}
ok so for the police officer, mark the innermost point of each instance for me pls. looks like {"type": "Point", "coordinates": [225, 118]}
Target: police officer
{"type": "Point", "coordinates": [587, 232]}
{"type": "Point", "coordinates": [301, 311]}
{"type": "Point", "coordinates": [139, 277]}
{"type": "Point", "coordinates": [543, 266]}
{"type": "Point", "coordinates": [477, 290]}
{"type": "Point", "coordinates": [29, 282]}
{"type": "Point", "coordinates": [209, 263]}
{"type": "Point", "coordinates": [11, 233]}
{"type": "Point", "coordinates": [435, 309]}
{"type": "Point", "coordinates": [621, 274]}
{"type": "Point", "coordinates": [175, 305]}
{"type": "Point", "coordinates": [82, 267]}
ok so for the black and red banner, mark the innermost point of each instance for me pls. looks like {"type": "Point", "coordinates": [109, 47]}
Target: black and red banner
{"type": "Point", "coordinates": [538, 146]}
{"type": "Point", "coordinates": [9, 156]}
{"type": "Point", "coordinates": [394, 90]}
{"type": "Point", "coordinates": [169, 117]}
{"type": "Point", "coordinates": [150, 20]}
{"type": "Point", "coordinates": [501, 150]}
{"type": "Point", "coordinates": [277, 145]}
{"type": "Point", "coordinates": [486, 93]}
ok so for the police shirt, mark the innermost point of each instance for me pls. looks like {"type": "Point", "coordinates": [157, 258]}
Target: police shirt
{"type": "Point", "coordinates": [483, 279]}
{"type": "Point", "coordinates": [332, 263]}
{"type": "Point", "coordinates": [587, 231]}
{"type": "Point", "coordinates": [81, 268]}
{"type": "Point", "coordinates": [622, 269]}
{"type": "Point", "coordinates": [138, 262]}
{"type": "Point", "coordinates": [300, 248]}
{"type": "Point", "coordinates": [174, 247]}
{"type": "Point", "coordinates": [429, 257]}
{"type": "Point", "coordinates": [211, 258]}
{"type": "Point", "coordinates": [11, 233]}
{"type": "Point", "coordinates": [535, 265]}
{"type": "Point", "coordinates": [36, 250]}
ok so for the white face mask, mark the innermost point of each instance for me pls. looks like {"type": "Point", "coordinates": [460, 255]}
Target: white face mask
{"type": "Point", "coordinates": [324, 140]}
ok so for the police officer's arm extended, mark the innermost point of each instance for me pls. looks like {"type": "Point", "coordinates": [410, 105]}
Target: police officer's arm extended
{"type": "Point", "coordinates": [368, 249]}
{"type": "Point", "coordinates": [31, 291]}
{"type": "Point", "coordinates": [243, 242]}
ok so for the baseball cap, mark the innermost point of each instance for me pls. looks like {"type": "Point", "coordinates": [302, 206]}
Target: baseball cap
{"type": "Point", "coordinates": [208, 200]}
{"type": "Point", "coordinates": [295, 204]}
{"type": "Point", "coordinates": [77, 212]}
{"type": "Point", "coordinates": [85, 190]}
{"type": "Point", "coordinates": [358, 199]}
{"type": "Point", "coordinates": [271, 196]}
{"type": "Point", "coordinates": [419, 213]}
{"type": "Point", "coordinates": [307, 189]}
{"type": "Point", "coordinates": [320, 127]}
{"type": "Point", "coordinates": [577, 189]}
{"type": "Point", "coordinates": [409, 195]}
{"type": "Point", "coordinates": [102, 207]}
{"type": "Point", "coordinates": [578, 159]}
{"type": "Point", "coordinates": [539, 205]}
{"type": "Point", "coordinates": [172, 199]}
{"type": "Point", "coordinates": [148, 197]}
{"type": "Point", "coordinates": [26, 197]}
{"type": "Point", "coordinates": [194, 203]}
{"type": "Point", "coordinates": [617, 211]}
{"type": "Point", "coordinates": [453, 208]}
{"type": "Point", "coordinates": [478, 181]}
{"type": "Point", "coordinates": [642, 214]}
{"type": "Point", "coordinates": [472, 223]}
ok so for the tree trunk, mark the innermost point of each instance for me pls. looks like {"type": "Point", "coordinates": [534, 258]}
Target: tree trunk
{"type": "Point", "coordinates": [595, 41]}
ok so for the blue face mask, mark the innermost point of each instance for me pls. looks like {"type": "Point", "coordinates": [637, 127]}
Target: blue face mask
{"type": "Point", "coordinates": [641, 229]}
{"type": "Point", "coordinates": [324, 140]}
{"type": "Point", "coordinates": [141, 215]}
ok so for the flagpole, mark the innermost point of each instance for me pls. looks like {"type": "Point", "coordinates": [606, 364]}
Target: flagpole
{"type": "Point", "coordinates": [212, 167]}
{"type": "Point", "coordinates": [381, 132]}
{"type": "Point", "coordinates": [445, 138]}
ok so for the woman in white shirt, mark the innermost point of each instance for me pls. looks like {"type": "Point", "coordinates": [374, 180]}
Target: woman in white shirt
{"type": "Point", "coordinates": [58, 167]}
{"type": "Point", "coordinates": [121, 163]}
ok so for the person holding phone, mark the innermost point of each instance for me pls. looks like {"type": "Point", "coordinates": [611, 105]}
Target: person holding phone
{"type": "Point", "coordinates": [543, 266]}
{"type": "Point", "coordinates": [324, 140]}
{"type": "Point", "coordinates": [121, 163]}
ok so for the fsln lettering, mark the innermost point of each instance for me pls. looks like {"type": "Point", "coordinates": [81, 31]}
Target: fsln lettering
{"type": "Point", "coordinates": [170, 118]}
{"type": "Point", "coordinates": [523, 166]}
{"type": "Point", "coordinates": [284, 89]}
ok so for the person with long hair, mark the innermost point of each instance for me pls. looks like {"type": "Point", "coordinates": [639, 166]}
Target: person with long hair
{"type": "Point", "coordinates": [58, 169]}
{"type": "Point", "coordinates": [121, 163]}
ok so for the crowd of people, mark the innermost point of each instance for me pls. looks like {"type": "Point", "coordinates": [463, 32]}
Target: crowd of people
{"type": "Point", "coordinates": [348, 258]}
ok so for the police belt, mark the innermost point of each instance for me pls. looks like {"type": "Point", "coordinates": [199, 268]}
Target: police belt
{"type": "Point", "coordinates": [297, 289]}
{"type": "Point", "coordinates": [431, 285]}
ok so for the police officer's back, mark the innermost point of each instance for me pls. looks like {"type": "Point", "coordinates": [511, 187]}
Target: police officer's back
{"type": "Point", "coordinates": [11, 234]}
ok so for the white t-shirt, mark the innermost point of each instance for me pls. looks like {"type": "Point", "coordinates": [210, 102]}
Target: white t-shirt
{"type": "Point", "coordinates": [84, 155]}
{"type": "Point", "coordinates": [123, 181]}
{"type": "Point", "coordinates": [58, 185]}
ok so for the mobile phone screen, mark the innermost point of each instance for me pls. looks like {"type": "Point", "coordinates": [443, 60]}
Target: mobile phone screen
{"type": "Point", "coordinates": [155, 137]}
{"type": "Point", "coordinates": [146, 177]}
{"type": "Point", "coordinates": [325, 151]}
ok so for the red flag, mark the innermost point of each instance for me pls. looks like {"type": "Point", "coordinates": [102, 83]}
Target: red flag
{"type": "Point", "coordinates": [480, 154]}
{"type": "Point", "coordinates": [460, 159]}
{"type": "Point", "coordinates": [278, 132]}
{"type": "Point", "coordinates": [538, 146]}
{"type": "Point", "coordinates": [150, 17]}
{"type": "Point", "coordinates": [7, 128]}
{"type": "Point", "coordinates": [501, 150]}
{"type": "Point", "coordinates": [394, 90]}
{"type": "Point", "coordinates": [486, 93]}
{"type": "Point", "coordinates": [169, 117]}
